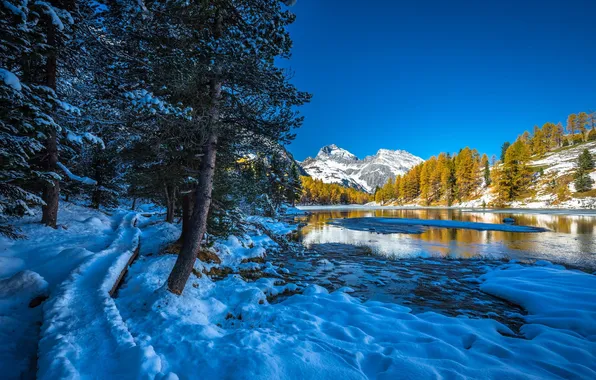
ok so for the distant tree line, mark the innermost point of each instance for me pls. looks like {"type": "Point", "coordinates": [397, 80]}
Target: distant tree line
{"type": "Point", "coordinates": [314, 191]}
{"type": "Point", "coordinates": [446, 178]}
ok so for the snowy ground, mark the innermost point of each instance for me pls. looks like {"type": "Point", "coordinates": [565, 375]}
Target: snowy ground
{"type": "Point", "coordinates": [231, 324]}
{"type": "Point", "coordinates": [228, 329]}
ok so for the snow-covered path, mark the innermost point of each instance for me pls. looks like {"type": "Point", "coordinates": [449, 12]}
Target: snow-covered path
{"type": "Point", "coordinates": [81, 318]}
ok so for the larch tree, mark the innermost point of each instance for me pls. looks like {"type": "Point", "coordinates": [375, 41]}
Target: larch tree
{"type": "Point", "coordinates": [582, 122]}
{"type": "Point", "coordinates": [515, 174]}
{"type": "Point", "coordinates": [571, 126]}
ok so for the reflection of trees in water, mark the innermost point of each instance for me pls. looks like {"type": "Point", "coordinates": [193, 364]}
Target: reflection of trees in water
{"type": "Point", "coordinates": [568, 224]}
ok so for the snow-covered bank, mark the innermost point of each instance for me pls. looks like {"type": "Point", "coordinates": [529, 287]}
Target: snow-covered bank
{"type": "Point", "coordinates": [228, 329]}
{"type": "Point", "coordinates": [228, 324]}
{"type": "Point", "coordinates": [417, 226]}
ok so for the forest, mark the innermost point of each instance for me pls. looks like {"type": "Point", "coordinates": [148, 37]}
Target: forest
{"type": "Point", "coordinates": [315, 191]}
{"type": "Point", "coordinates": [449, 178]}
{"type": "Point", "coordinates": [180, 103]}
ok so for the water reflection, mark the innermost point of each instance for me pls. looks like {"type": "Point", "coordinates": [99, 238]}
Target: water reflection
{"type": "Point", "coordinates": [571, 239]}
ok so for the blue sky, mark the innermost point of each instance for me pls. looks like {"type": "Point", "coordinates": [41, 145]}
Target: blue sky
{"type": "Point", "coordinates": [435, 75]}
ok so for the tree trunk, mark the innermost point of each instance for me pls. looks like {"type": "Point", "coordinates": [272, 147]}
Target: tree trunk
{"type": "Point", "coordinates": [96, 196]}
{"type": "Point", "coordinates": [51, 191]}
{"type": "Point", "coordinates": [170, 193]}
{"type": "Point", "coordinates": [187, 203]}
{"type": "Point", "coordinates": [198, 222]}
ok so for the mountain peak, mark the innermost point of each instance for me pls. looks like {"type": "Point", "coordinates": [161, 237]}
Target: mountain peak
{"type": "Point", "coordinates": [336, 165]}
{"type": "Point", "coordinates": [334, 151]}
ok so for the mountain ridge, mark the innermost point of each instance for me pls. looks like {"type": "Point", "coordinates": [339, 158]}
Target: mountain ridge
{"type": "Point", "coordinates": [333, 164]}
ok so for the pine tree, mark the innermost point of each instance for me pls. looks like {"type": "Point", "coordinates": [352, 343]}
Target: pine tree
{"type": "Point", "coordinates": [538, 145]}
{"type": "Point", "coordinates": [257, 99]}
{"type": "Point", "coordinates": [504, 148]}
{"type": "Point", "coordinates": [30, 110]}
{"type": "Point", "coordinates": [585, 164]}
{"type": "Point", "coordinates": [425, 185]}
{"type": "Point", "coordinates": [449, 180]}
{"type": "Point", "coordinates": [487, 176]}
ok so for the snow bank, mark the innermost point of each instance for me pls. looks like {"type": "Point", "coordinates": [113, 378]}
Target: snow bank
{"type": "Point", "coordinates": [274, 226]}
{"type": "Point", "coordinates": [39, 264]}
{"type": "Point", "coordinates": [18, 330]}
{"type": "Point", "coordinates": [557, 298]}
{"type": "Point", "coordinates": [227, 329]}
{"type": "Point", "coordinates": [417, 226]}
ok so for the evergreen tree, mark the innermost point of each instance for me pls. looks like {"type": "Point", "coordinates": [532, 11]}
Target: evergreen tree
{"type": "Point", "coordinates": [504, 148]}
{"type": "Point", "coordinates": [538, 142]}
{"type": "Point", "coordinates": [449, 180]}
{"type": "Point", "coordinates": [487, 176]}
{"type": "Point", "coordinates": [585, 164]}
{"type": "Point", "coordinates": [31, 130]}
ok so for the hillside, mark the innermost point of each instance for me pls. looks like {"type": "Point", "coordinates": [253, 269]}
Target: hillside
{"type": "Point", "coordinates": [551, 184]}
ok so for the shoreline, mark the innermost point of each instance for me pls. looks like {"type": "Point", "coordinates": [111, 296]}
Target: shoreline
{"type": "Point", "coordinates": [513, 210]}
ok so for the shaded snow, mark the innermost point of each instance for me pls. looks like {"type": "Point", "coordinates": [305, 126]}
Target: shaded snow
{"type": "Point", "coordinates": [9, 78]}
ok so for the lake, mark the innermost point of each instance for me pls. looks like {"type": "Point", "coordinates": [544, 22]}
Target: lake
{"type": "Point", "coordinates": [438, 269]}
{"type": "Point", "coordinates": [570, 239]}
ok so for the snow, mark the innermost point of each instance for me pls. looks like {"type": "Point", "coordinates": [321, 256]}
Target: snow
{"type": "Point", "coordinates": [81, 316]}
{"type": "Point", "coordinates": [336, 165]}
{"type": "Point", "coordinates": [227, 328]}
{"type": "Point", "coordinates": [234, 328]}
{"type": "Point", "coordinates": [90, 137]}
{"type": "Point", "coordinates": [40, 263]}
{"type": "Point", "coordinates": [74, 177]}
{"type": "Point", "coordinates": [277, 227]}
{"type": "Point", "coordinates": [51, 11]}
{"type": "Point", "coordinates": [416, 226]}
{"type": "Point", "coordinates": [10, 79]}
{"type": "Point", "coordinates": [17, 322]}
{"type": "Point", "coordinates": [557, 298]}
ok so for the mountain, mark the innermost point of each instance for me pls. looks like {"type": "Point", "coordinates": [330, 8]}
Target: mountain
{"type": "Point", "coordinates": [336, 165]}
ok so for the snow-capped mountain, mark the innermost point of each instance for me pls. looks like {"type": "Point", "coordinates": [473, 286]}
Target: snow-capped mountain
{"type": "Point", "coordinates": [336, 165]}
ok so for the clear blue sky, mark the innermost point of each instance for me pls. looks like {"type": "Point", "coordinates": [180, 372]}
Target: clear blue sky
{"type": "Point", "coordinates": [435, 75]}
